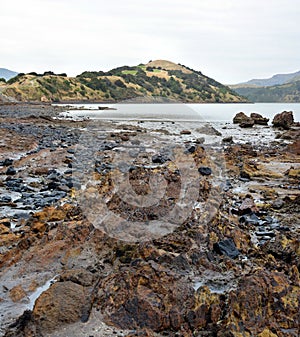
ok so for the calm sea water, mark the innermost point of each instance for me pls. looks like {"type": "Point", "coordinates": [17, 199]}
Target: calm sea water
{"type": "Point", "coordinates": [182, 112]}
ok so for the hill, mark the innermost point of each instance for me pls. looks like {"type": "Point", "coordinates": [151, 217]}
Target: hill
{"type": "Point", "coordinates": [277, 79]}
{"type": "Point", "coordinates": [7, 74]}
{"type": "Point", "coordinates": [286, 93]}
{"type": "Point", "coordinates": [159, 78]}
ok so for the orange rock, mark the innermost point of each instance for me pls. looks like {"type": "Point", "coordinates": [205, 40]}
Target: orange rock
{"type": "Point", "coordinates": [62, 303]}
{"type": "Point", "coordinates": [38, 227]}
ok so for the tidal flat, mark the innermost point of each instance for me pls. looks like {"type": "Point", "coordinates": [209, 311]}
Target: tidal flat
{"type": "Point", "coordinates": [147, 228]}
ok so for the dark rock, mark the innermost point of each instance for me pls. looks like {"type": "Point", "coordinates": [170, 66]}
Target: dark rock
{"type": "Point", "coordinates": [7, 162]}
{"type": "Point", "coordinates": [259, 119]}
{"type": "Point", "coordinates": [247, 123]}
{"type": "Point", "coordinates": [205, 171]}
{"type": "Point", "coordinates": [191, 149]}
{"type": "Point", "coordinates": [245, 176]}
{"type": "Point", "coordinates": [284, 119]}
{"type": "Point", "coordinates": [227, 247]}
{"type": "Point", "coordinates": [240, 117]}
{"type": "Point", "coordinates": [159, 159]}
{"type": "Point", "coordinates": [5, 199]}
{"type": "Point", "coordinates": [11, 171]}
{"type": "Point", "coordinates": [228, 139]}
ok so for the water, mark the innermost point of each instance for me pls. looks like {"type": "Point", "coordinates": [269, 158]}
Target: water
{"type": "Point", "coordinates": [181, 112]}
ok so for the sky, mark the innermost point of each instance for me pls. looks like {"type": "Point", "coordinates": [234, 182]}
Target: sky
{"type": "Point", "coordinates": [231, 41]}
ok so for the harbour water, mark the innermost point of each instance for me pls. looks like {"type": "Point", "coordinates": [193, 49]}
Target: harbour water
{"type": "Point", "coordinates": [180, 112]}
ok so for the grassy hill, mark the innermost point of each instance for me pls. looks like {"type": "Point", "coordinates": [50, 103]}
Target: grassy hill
{"type": "Point", "coordinates": [156, 79]}
{"type": "Point", "coordinates": [286, 93]}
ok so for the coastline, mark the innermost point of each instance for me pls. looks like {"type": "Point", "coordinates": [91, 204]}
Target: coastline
{"type": "Point", "coordinates": [241, 238]}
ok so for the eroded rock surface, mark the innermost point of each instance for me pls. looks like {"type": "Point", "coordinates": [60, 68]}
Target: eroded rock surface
{"type": "Point", "coordinates": [230, 268]}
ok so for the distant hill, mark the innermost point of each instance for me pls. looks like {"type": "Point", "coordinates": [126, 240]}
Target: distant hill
{"type": "Point", "coordinates": [286, 93]}
{"type": "Point", "coordinates": [159, 78]}
{"type": "Point", "coordinates": [277, 79]}
{"type": "Point", "coordinates": [7, 74]}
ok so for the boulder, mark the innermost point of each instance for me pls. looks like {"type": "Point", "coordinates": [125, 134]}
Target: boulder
{"type": "Point", "coordinates": [284, 119]}
{"type": "Point", "coordinates": [227, 247]}
{"type": "Point", "coordinates": [243, 120]}
{"type": "Point", "coordinates": [239, 118]}
{"type": "Point", "coordinates": [63, 302]}
{"type": "Point", "coordinates": [247, 123]}
{"type": "Point", "coordinates": [259, 119]}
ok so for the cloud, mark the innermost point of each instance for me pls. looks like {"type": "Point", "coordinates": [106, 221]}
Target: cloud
{"type": "Point", "coordinates": [230, 40]}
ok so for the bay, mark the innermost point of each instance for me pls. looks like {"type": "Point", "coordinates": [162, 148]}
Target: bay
{"type": "Point", "coordinates": [180, 112]}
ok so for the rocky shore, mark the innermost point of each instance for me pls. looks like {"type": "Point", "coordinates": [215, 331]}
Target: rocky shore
{"type": "Point", "coordinates": [226, 267]}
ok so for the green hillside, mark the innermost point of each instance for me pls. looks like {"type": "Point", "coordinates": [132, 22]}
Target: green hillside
{"type": "Point", "coordinates": [286, 93]}
{"type": "Point", "coordinates": [155, 79]}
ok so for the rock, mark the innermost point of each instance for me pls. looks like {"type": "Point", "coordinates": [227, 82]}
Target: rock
{"type": "Point", "coordinates": [277, 204]}
{"type": "Point", "coordinates": [159, 159]}
{"type": "Point", "coordinates": [259, 119]}
{"type": "Point", "coordinates": [228, 139]}
{"type": "Point", "coordinates": [295, 147]}
{"type": "Point", "coordinates": [191, 148]}
{"type": "Point", "coordinates": [4, 229]}
{"type": "Point", "coordinates": [185, 132]}
{"type": "Point", "coordinates": [251, 219]}
{"type": "Point", "coordinates": [205, 171]}
{"type": "Point", "coordinates": [7, 162]}
{"type": "Point", "coordinates": [247, 123]}
{"type": "Point", "coordinates": [240, 117]}
{"type": "Point", "coordinates": [284, 119]}
{"type": "Point", "coordinates": [78, 276]}
{"type": "Point", "coordinates": [11, 171]}
{"type": "Point", "coordinates": [227, 247]}
{"type": "Point", "coordinates": [292, 134]}
{"type": "Point", "coordinates": [263, 299]}
{"type": "Point", "coordinates": [62, 303]}
{"type": "Point", "coordinates": [248, 206]}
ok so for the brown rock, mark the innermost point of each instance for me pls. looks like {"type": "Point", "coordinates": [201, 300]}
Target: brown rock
{"type": "Point", "coordinates": [239, 118]}
{"type": "Point", "coordinates": [4, 229]}
{"type": "Point", "coordinates": [259, 119]}
{"type": "Point", "coordinates": [284, 119]}
{"type": "Point", "coordinates": [62, 303]}
{"type": "Point", "coordinates": [247, 123]}
{"type": "Point", "coordinates": [78, 276]}
{"type": "Point", "coordinates": [185, 132]}
{"type": "Point", "coordinates": [263, 300]}
{"type": "Point", "coordinates": [295, 147]}
{"type": "Point", "coordinates": [38, 227]}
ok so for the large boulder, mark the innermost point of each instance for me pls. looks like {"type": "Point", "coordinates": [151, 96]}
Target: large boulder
{"type": "Point", "coordinates": [247, 123]}
{"type": "Point", "coordinates": [240, 117]}
{"type": "Point", "coordinates": [62, 303]}
{"type": "Point", "coordinates": [243, 120]}
{"type": "Point", "coordinates": [284, 119]}
{"type": "Point", "coordinates": [259, 119]}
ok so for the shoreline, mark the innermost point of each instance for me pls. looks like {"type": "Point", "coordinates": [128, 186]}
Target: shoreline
{"type": "Point", "coordinates": [239, 239]}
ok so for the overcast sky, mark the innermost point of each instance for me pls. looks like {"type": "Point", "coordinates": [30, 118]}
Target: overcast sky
{"type": "Point", "coordinates": [229, 40]}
